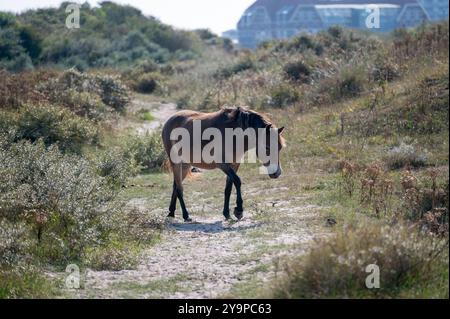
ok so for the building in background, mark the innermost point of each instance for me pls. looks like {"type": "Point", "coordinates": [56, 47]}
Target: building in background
{"type": "Point", "coordinates": [281, 19]}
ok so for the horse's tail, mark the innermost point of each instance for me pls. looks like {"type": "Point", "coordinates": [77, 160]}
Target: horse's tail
{"type": "Point", "coordinates": [166, 166]}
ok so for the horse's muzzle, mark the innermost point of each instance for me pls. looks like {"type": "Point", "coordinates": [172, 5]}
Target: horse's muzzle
{"type": "Point", "coordinates": [276, 174]}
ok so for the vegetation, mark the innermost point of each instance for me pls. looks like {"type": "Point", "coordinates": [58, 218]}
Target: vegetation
{"type": "Point", "coordinates": [110, 36]}
{"type": "Point", "coordinates": [366, 116]}
{"type": "Point", "coordinates": [410, 265]}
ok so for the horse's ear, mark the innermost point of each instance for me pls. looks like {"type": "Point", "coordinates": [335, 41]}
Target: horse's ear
{"type": "Point", "coordinates": [281, 130]}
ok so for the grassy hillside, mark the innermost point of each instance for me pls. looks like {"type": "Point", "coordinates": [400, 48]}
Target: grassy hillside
{"type": "Point", "coordinates": [366, 125]}
{"type": "Point", "coordinates": [367, 117]}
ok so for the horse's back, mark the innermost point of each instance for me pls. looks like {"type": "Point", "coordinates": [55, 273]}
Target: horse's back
{"type": "Point", "coordinates": [179, 119]}
{"type": "Point", "coordinates": [185, 117]}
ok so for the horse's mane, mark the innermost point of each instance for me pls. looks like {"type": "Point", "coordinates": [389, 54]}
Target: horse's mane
{"type": "Point", "coordinates": [233, 111]}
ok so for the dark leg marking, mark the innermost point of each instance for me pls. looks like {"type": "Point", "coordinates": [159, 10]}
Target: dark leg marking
{"type": "Point", "coordinates": [226, 206]}
{"type": "Point", "coordinates": [173, 202]}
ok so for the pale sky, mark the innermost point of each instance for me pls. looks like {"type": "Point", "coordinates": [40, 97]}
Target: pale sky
{"type": "Point", "coordinates": [217, 15]}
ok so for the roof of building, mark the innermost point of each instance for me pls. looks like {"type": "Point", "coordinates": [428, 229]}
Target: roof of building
{"type": "Point", "coordinates": [274, 6]}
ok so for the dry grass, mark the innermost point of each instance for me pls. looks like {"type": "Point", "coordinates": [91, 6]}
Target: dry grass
{"type": "Point", "coordinates": [411, 265]}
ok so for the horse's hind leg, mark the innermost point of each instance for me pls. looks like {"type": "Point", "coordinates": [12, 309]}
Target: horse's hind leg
{"type": "Point", "coordinates": [173, 201]}
{"type": "Point", "coordinates": [180, 171]}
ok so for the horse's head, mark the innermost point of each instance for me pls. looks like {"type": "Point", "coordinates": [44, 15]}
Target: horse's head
{"type": "Point", "coordinates": [269, 139]}
{"type": "Point", "coordinates": [273, 165]}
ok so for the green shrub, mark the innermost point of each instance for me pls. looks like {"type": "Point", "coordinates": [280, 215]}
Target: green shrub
{"type": "Point", "coordinates": [86, 95]}
{"type": "Point", "coordinates": [132, 37]}
{"type": "Point", "coordinates": [351, 83]}
{"type": "Point", "coordinates": [20, 63]}
{"type": "Point", "coordinates": [25, 282]}
{"type": "Point", "coordinates": [411, 265]}
{"type": "Point", "coordinates": [116, 166]}
{"type": "Point", "coordinates": [385, 69]}
{"type": "Point", "coordinates": [205, 34]}
{"type": "Point", "coordinates": [17, 90]}
{"type": "Point", "coordinates": [53, 125]}
{"type": "Point", "coordinates": [298, 71]}
{"type": "Point", "coordinates": [302, 43]}
{"type": "Point", "coordinates": [133, 228]}
{"type": "Point", "coordinates": [336, 31]}
{"type": "Point", "coordinates": [183, 102]}
{"type": "Point", "coordinates": [244, 64]}
{"type": "Point", "coordinates": [13, 243]}
{"type": "Point", "coordinates": [112, 92]}
{"type": "Point", "coordinates": [148, 83]}
{"type": "Point", "coordinates": [17, 278]}
{"type": "Point", "coordinates": [60, 197]}
{"type": "Point", "coordinates": [147, 151]}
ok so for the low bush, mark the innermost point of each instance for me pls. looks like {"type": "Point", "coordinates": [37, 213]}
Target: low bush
{"type": "Point", "coordinates": [283, 95]}
{"type": "Point", "coordinates": [86, 95]}
{"type": "Point", "coordinates": [17, 90]}
{"type": "Point", "coordinates": [244, 64]}
{"type": "Point", "coordinates": [411, 264]}
{"type": "Point", "coordinates": [147, 151]}
{"type": "Point", "coordinates": [426, 203]}
{"type": "Point", "coordinates": [112, 257]}
{"type": "Point", "coordinates": [52, 125]}
{"type": "Point", "coordinates": [13, 243]}
{"type": "Point", "coordinates": [148, 83]}
{"type": "Point", "coordinates": [301, 44]}
{"type": "Point", "coordinates": [133, 229]}
{"type": "Point", "coordinates": [60, 197]}
{"type": "Point", "coordinates": [385, 69]}
{"type": "Point", "coordinates": [298, 71]}
{"type": "Point", "coordinates": [25, 282]}
{"type": "Point", "coordinates": [350, 84]}
{"type": "Point", "coordinates": [116, 166]}
{"type": "Point", "coordinates": [405, 155]}
{"type": "Point", "coordinates": [112, 92]}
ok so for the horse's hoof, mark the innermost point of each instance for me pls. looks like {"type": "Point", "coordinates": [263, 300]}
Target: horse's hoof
{"type": "Point", "coordinates": [188, 220]}
{"type": "Point", "coordinates": [238, 213]}
{"type": "Point", "coordinates": [171, 215]}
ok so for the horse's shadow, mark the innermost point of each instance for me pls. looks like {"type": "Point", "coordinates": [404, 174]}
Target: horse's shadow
{"type": "Point", "coordinates": [213, 228]}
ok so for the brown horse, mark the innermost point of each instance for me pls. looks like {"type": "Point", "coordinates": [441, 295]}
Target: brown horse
{"type": "Point", "coordinates": [232, 118]}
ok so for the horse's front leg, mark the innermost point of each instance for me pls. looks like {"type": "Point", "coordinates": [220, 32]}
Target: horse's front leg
{"type": "Point", "coordinates": [239, 209]}
{"type": "Point", "coordinates": [226, 205]}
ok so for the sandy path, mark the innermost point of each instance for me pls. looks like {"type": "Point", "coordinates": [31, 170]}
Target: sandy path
{"type": "Point", "coordinates": [203, 260]}
{"type": "Point", "coordinates": [160, 111]}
